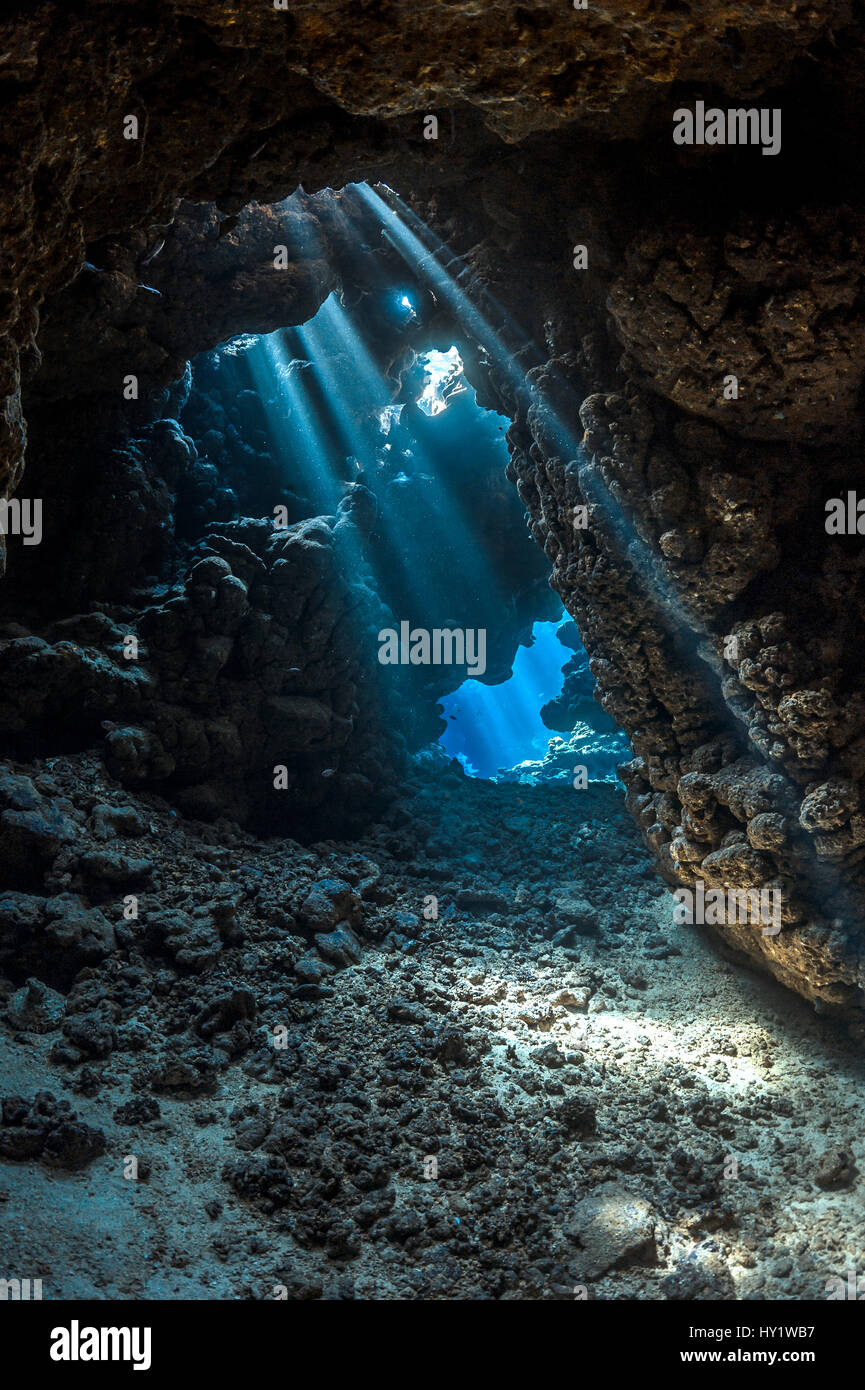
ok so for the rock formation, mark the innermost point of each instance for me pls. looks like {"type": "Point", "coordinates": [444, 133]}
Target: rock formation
{"type": "Point", "coordinates": [719, 615]}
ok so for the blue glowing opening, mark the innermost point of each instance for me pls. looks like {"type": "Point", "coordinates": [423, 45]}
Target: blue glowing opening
{"type": "Point", "coordinates": [491, 727]}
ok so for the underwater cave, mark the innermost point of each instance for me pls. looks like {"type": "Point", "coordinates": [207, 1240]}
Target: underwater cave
{"type": "Point", "coordinates": [431, 702]}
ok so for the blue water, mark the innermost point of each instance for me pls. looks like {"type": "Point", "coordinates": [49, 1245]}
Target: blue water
{"type": "Point", "coordinates": [495, 726]}
{"type": "Point", "coordinates": [328, 417]}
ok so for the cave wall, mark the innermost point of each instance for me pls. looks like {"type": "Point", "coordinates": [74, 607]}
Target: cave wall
{"type": "Point", "coordinates": [720, 618]}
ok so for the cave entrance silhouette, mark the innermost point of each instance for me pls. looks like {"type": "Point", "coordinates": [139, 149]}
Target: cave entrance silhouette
{"type": "Point", "coordinates": [494, 727]}
{"type": "Point", "coordinates": [367, 406]}
{"type": "Point", "coordinates": [314, 417]}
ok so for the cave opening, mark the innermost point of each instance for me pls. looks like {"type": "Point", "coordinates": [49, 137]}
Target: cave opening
{"type": "Point", "coordinates": [358, 452]}
{"type": "Point", "coordinates": [492, 728]}
{"type": "Point", "coordinates": [299, 421]}
{"type": "Point", "coordinates": [506, 732]}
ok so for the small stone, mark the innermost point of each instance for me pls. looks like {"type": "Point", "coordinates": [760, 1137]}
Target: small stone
{"type": "Point", "coordinates": [401, 1011]}
{"type": "Point", "coordinates": [312, 969]}
{"type": "Point", "coordinates": [577, 999]}
{"type": "Point", "coordinates": [35, 1008]}
{"type": "Point", "coordinates": [340, 946]}
{"type": "Point", "coordinates": [137, 1111]}
{"type": "Point", "coordinates": [328, 902]}
{"type": "Point", "coordinates": [547, 1056]}
{"type": "Point", "coordinates": [835, 1170]}
{"type": "Point", "coordinates": [615, 1228]}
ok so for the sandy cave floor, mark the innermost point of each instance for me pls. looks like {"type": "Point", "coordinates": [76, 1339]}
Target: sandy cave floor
{"type": "Point", "coordinates": [582, 1070]}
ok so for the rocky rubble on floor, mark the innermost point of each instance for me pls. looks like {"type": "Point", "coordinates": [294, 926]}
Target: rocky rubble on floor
{"type": "Point", "coordinates": [46, 1129]}
{"type": "Point", "coordinates": [467, 1055]}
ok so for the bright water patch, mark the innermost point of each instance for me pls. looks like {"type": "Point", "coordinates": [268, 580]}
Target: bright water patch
{"type": "Point", "coordinates": [495, 726]}
{"type": "Point", "coordinates": [443, 378]}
